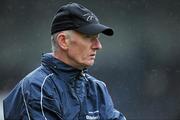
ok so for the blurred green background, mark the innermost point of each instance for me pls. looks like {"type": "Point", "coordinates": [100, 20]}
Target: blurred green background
{"type": "Point", "coordinates": [140, 64]}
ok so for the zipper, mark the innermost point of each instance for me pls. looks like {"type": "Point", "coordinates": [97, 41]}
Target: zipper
{"type": "Point", "coordinates": [80, 103]}
{"type": "Point", "coordinates": [83, 75]}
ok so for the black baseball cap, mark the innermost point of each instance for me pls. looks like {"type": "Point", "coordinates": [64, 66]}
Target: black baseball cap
{"type": "Point", "coordinates": [74, 16]}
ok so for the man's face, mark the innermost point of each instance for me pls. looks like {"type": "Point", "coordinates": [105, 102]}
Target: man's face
{"type": "Point", "coordinates": [82, 49]}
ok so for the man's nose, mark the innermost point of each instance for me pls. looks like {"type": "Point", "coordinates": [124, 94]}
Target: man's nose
{"type": "Point", "coordinates": [96, 44]}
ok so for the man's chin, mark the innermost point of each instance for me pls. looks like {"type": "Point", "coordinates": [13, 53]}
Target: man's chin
{"type": "Point", "coordinates": [89, 64]}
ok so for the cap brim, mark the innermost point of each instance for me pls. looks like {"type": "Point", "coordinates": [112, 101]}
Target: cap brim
{"type": "Point", "coordinates": [93, 29]}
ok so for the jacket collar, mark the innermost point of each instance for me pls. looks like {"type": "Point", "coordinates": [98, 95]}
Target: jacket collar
{"type": "Point", "coordinates": [68, 72]}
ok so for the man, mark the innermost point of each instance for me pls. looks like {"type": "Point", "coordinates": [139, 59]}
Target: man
{"type": "Point", "coordinates": [61, 88]}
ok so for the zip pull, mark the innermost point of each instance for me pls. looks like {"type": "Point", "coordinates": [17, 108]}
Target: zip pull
{"type": "Point", "coordinates": [84, 75]}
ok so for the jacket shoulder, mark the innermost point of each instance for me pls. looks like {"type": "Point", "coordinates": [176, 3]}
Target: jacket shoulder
{"type": "Point", "coordinates": [38, 73]}
{"type": "Point", "coordinates": [36, 81]}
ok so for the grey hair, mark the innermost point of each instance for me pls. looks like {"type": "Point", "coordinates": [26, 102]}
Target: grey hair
{"type": "Point", "coordinates": [54, 42]}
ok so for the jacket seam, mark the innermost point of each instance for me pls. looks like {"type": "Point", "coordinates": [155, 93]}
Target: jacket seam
{"type": "Point", "coordinates": [25, 100]}
{"type": "Point", "coordinates": [41, 100]}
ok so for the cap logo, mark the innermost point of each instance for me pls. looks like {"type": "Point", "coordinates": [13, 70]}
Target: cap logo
{"type": "Point", "coordinates": [90, 16]}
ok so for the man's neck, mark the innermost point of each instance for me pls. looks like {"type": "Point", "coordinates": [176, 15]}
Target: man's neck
{"type": "Point", "coordinates": [63, 57]}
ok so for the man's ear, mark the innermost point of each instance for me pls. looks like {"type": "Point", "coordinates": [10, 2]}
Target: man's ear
{"type": "Point", "coordinates": [62, 41]}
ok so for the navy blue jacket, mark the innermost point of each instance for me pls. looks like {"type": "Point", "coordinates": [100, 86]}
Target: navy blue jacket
{"type": "Point", "coordinates": [57, 91]}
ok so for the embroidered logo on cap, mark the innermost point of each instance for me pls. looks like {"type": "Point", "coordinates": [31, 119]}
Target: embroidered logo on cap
{"type": "Point", "coordinates": [90, 16]}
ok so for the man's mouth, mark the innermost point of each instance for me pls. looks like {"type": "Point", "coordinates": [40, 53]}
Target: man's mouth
{"type": "Point", "coordinates": [93, 56]}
